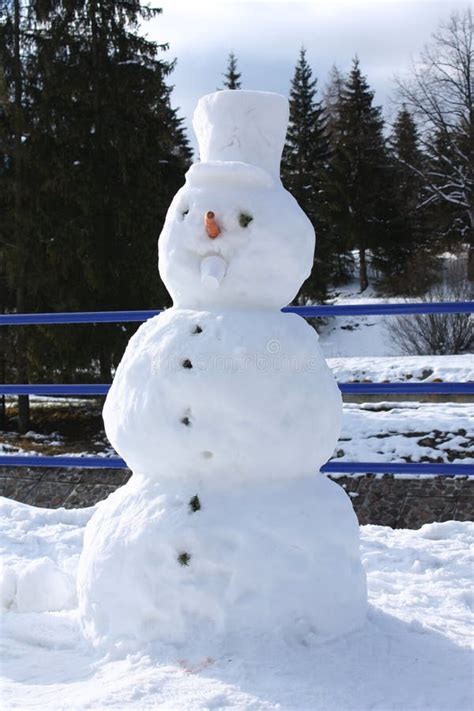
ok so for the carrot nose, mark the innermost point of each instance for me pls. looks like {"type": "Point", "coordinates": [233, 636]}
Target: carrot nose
{"type": "Point", "coordinates": [211, 225]}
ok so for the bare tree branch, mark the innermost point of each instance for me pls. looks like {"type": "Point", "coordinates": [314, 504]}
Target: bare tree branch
{"type": "Point", "coordinates": [439, 93]}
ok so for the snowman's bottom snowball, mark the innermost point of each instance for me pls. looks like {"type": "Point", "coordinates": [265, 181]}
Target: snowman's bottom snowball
{"type": "Point", "coordinates": [190, 565]}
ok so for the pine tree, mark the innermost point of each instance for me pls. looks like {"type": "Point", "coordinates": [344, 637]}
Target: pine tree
{"type": "Point", "coordinates": [445, 156]}
{"type": "Point", "coordinates": [232, 76]}
{"type": "Point", "coordinates": [358, 170]}
{"type": "Point", "coordinates": [341, 260]}
{"type": "Point", "coordinates": [404, 257]}
{"type": "Point", "coordinates": [106, 153]}
{"type": "Point", "coordinates": [332, 96]}
{"type": "Point", "coordinates": [305, 158]}
{"type": "Point", "coordinates": [121, 153]}
{"type": "Point", "coordinates": [16, 227]}
{"type": "Point", "coordinates": [6, 295]}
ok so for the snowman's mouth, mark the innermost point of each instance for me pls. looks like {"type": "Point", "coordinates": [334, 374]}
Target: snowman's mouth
{"type": "Point", "coordinates": [213, 271]}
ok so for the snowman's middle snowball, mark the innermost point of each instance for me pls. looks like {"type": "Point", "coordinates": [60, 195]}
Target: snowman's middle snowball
{"type": "Point", "coordinates": [262, 398]}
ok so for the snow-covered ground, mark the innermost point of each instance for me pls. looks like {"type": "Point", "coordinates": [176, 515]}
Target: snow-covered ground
{"type": "Point", "coordinates": [413, 654]}
{"type": "Point", "coordinates": [396, 369]}
{"type": "Point", "coordinates": [358, 336]}
{"type": "Point", "coordinates": [397, 432]}
{"type": "Point", "coordinates": [371, 432]}
{"type": "Point", "coordinates": [364, 336]}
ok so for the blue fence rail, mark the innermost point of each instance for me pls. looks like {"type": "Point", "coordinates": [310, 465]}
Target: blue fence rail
{"type": "Point", "coordinates": [345, 388]}
{"type": "Point", "coordinates": [451, 307]}
{"type": "Point", "coordinates": [334, 466]}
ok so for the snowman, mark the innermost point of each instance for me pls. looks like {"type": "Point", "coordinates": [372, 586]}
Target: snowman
{"type": "Point", "coordinates": [225, 410]}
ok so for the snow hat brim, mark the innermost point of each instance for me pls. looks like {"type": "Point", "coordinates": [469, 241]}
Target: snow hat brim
{"type": "Point", "coordinates": [228, 173]}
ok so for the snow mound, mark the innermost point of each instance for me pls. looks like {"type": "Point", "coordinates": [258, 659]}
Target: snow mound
{"type": "Point", "coordinates": [42, 586]}
{"type": "Point", "coordinates": [38, 571]}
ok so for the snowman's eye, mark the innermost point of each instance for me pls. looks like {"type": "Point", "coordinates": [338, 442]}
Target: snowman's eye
{"type": "Point", "coordinates": [244, 219]}
{"type": "Point", "coordinates": [184, 212]}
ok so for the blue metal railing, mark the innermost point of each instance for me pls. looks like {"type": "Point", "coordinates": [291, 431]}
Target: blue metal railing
{"type": "Point", "coordinates": [453, 307]}
{"type": "Point", "coordinates": [345, 388]}
{"type": "Point", "coordinates": [334, 466]}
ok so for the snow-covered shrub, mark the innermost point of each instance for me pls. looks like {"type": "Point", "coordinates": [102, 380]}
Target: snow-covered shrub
{"type": "Point", "coordinates": [438, 333]}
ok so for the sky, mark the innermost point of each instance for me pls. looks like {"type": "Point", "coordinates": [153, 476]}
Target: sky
{"type": "Point", "coordinates": [266, 36]}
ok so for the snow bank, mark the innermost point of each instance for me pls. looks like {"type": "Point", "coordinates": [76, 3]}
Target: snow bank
{"type": "Point", "coordinates": [39, 549]}
{"type": "Point", "coordinates": [457, 368]}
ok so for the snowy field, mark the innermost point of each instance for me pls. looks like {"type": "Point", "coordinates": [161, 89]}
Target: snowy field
{"type": "Point", "coordinates": [358, 336]}
{"type": "Point", "coordinates": [413, 654]}
{"type": "Point", "coordinates": [370, 336]}
{"type": "Point", "coordinates": [407, 431]}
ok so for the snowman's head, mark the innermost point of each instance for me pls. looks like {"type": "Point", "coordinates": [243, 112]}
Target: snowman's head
{"type": "Point", "coordinates": [233, 235]}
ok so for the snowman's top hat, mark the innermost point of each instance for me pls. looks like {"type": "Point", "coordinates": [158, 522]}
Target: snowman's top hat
{"type": "Point", "coordinates": [242, 126]}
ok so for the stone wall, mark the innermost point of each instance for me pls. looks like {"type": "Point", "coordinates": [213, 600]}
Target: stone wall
{"type": "Point", "coordinates": [383, 500]}
{"type": "Point", "coordinates": [410, 502]}
{"type": "Point", "coordinates": [53, 488]}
